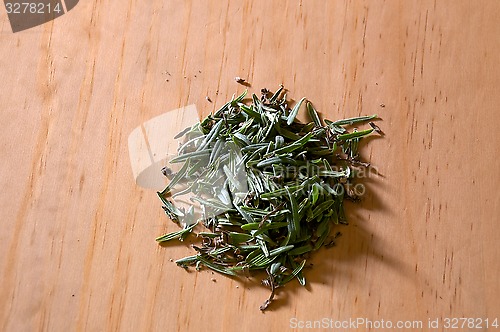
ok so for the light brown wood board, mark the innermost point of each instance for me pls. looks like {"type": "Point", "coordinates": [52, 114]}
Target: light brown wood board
{"type": "Point", "coordinates": [77, 249]}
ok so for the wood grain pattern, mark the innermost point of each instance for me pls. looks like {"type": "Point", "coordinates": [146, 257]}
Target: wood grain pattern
{"type": "Point", "coordinates": [77, 239]}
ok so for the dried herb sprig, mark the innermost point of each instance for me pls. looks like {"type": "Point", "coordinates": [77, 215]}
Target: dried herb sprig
{"type": "Point", "coordinates": [269, 188]}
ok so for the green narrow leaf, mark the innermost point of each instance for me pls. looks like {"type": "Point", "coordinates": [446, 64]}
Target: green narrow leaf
{"type": "Point", "coordinates": [295, 145]}
{"type": "Point", "coordinates": [286, 133]}
{"type": "Point", "coordinates": [263, 246]}
{"type": "Point", "coordinates": [183, 132]}
{"type": "Point", "coordinates": [276, 160]}
{"type": "Point", "coordinates": [280, 250]}
{"type": "Point", "coordinates": [300, 250]}
{"type": "Point", "coordinates": [239, 237]}
{"type": "Point", "coordinates": [194, 154]}
{"type": "Point", "coordinates": [187, 260]}
{"type": "Point", "coordinates": [208, 234]}
{"type": "Point", "coordinates": [177, 177]}
{"type": "Point", "coordinates": [275, 268]}
{"type": "Point", "coordinates": [295, 214]}
{"type": "Point", "coordinates": [216, 267]}
{"type": "Point", "coordinates": [185, 145]}
{"type": "Point", "coordinates": [323, 231]}
{"type": "Point", "coordinates": [275, 96]}
{"type": "Point", "coordinates": [352, 121]}
{"type": "Point", "coordinates": [248, 218]}
{"type": "Point", "coordinates": [265, 227]}
{"type": "Point", "coordinates": [250, 112]}
{"type": "Point", "coordinates": [295, 272]}
{"type": "Point", "coordinates": [355, 134]}
{"type": "Point", "coordinates": [177, 234]}
{"type": "Point", "coordinates": [241, 140]}
{"type": "Point", "coordinates": [294, 111]}
{"type": "Point", "coordinates": [169, 206]}
{"type": "Point", "coordinates": [213, 203]}
{"type": "Point", "coordinates": [313, 114]}
{"type": "Point", "coordinates": [239, 98]}
{"type": "Point", "coordinates": [270, 226]}
{"type": "Point", "coordinates": [212, 135]}
{"type": "Point", "coordinates": [321, 208]}
{"type": "Point", "coordinates": [315, 193]}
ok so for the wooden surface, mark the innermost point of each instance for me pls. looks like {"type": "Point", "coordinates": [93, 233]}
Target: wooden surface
{"type": "Point", "coordinates": [77, 249]}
